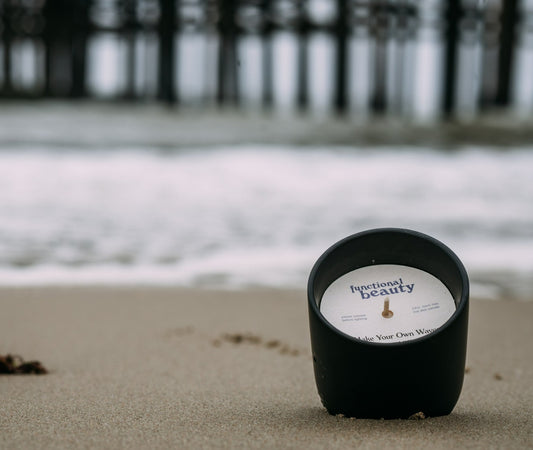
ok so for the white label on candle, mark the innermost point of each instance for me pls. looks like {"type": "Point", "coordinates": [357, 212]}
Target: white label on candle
{"type": "Point", "coordinates": [387, 303]}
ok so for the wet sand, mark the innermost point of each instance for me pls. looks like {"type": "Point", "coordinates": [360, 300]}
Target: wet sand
{"type": "Point", "coordinates": [176, 368]}
{"type": "Point", "coordinates": [109, 125]}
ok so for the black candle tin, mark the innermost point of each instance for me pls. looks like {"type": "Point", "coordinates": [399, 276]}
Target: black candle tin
{"type": "Point", "coordinates": [394, 380]}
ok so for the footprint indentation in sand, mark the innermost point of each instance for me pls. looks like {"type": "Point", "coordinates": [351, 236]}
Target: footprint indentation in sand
{"type": "Point", "coordinates": [254, 339]}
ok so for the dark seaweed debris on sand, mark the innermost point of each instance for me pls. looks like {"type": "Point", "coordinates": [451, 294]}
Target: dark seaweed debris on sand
{"type": "Point", "coordinates": [15, 365]}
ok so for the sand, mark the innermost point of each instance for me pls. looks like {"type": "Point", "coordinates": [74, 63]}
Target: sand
{"type": "Point", "coordinates": [107, 125]}
{"type": "Point", "coordinates": [176, 368]}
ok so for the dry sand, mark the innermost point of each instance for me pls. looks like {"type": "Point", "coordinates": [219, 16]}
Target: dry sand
{"type": "Point", "coordinates": [155, 368]}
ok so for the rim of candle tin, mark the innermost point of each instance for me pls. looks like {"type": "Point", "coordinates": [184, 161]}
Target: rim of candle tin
{"type": "Point", "coordinates": [455, 259]}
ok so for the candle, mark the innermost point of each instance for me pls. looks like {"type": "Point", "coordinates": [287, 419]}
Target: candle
{"type": "Point", "coordinates": [359, 303]}
{"type": "Point", "coordinates": [388, 307]}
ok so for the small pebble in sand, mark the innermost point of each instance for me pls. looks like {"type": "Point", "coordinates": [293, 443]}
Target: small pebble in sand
{"type": "Point", "coordinates": [498, 377]}
{"type": "Point", "coordinates": [234, 338]}
{"type": "Point", "coordinates": [238, 338]}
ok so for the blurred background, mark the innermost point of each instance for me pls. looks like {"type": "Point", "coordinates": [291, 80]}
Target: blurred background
{"type": "Point", "coordinates": [228, 143]}
{"type": "Point", "coordinates": [409, 58]}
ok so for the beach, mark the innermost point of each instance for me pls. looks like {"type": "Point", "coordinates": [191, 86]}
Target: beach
{"type": "Point", "coordinates": [164, 367]}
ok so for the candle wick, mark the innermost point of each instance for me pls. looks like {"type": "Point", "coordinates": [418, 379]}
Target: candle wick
{"type": "Point", "coordinates": [387, 313]}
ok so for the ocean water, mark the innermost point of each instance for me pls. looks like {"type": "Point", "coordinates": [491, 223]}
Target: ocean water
{"type": "Point", "coordinates": [255, 215]}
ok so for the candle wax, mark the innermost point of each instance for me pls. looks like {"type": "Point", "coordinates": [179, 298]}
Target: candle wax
{"type": "Point", "coordinates": [387, 303]}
